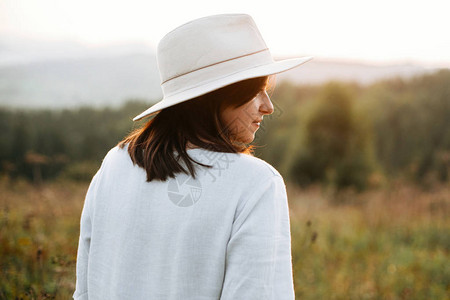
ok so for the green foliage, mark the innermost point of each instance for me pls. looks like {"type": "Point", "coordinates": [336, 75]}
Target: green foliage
{"type": "Point", "coordinates": [338, 134]}
{"type": "Point", "coordinates": [82, 171]}
{"type": "Point", "coordinates": [345, 135]}
{"type": "Point", "coordinates": [336, 144]}
{"type": "Point", "coordinates": [411, 121]}
{"type": "Point", "coordinates": [66, 141]}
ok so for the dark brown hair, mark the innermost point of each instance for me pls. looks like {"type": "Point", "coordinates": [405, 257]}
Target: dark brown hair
{"type": "Point", "coordinates": [196, 121]}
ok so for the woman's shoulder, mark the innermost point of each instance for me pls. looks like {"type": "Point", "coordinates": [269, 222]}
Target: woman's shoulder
{"type": "Point", "coordinates": [259, 164]}
{"type": "Point", "coordinates": [240, 164]}
{"type": "Point", "coordinates": [116, 155]}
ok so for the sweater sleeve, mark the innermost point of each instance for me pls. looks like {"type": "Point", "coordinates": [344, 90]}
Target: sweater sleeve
{"type": "Point", "coordinates": [81, 288]}
{"type": "Point", "coordinates": [258, 259]}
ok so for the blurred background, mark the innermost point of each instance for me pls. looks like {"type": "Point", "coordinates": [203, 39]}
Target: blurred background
{"type": "Point", "coordinates": [360, 134]}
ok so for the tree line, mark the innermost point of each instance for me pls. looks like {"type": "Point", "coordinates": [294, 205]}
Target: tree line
{"type": "Point", "coordinates": [339, 133]}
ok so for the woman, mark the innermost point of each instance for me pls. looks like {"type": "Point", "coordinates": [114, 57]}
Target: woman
{"type": "Point", "coordinates": [180, 209]}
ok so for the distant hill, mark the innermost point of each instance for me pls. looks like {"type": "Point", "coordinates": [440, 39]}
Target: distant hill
{"type": "Point", "coordinates": [77, 82]}
{"type": "Point", "coordinates": [319, 71]}
{"type": "Point", "coordinates": [66, 75]}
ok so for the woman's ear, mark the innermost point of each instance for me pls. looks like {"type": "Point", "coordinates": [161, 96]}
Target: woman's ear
{"type": "Point", "coordinates": [271, 83]}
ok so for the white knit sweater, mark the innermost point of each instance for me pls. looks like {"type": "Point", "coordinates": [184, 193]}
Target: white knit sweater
{"type": "Point", "coordinates": [224, 235]}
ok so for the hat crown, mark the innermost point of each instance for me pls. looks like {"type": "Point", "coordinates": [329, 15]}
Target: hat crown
{"type": "Point", "coordinates": [209, 53]}
{"type": "Point", "coordinates": [205, 42]}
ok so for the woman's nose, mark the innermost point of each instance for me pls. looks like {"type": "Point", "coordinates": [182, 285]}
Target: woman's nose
{"type": "Point", "coordinates": [266, 106]}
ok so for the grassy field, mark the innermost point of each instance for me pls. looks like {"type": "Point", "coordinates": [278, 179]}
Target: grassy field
{"type": "Point", "coordinates": [392, 243]}
{"type": "Point", "coordinates": [385, 244]}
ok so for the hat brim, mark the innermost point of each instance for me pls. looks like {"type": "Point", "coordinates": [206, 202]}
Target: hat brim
{"type": "Point", "coordinates": [259, 71]}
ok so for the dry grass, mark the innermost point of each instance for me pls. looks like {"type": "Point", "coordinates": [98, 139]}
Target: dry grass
{"type": "Point", "coordinates": [39, 229]}
{"type": "Point", "coordinates": [383, 244]}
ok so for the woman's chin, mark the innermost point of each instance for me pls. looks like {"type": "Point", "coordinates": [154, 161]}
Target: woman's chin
{"type": "Point", "coordinates": [248, 139]}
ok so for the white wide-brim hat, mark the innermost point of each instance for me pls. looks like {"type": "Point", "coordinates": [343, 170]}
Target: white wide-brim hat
{"type": "Point", "coordinates": [210, 53]}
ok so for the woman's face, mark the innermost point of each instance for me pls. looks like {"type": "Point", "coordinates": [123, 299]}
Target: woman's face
{"type": "Point", "coordinates": [244, 121]}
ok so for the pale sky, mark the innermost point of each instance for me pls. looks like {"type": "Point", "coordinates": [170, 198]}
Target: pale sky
{"type": "Point", "coordinates": [381, 31]}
